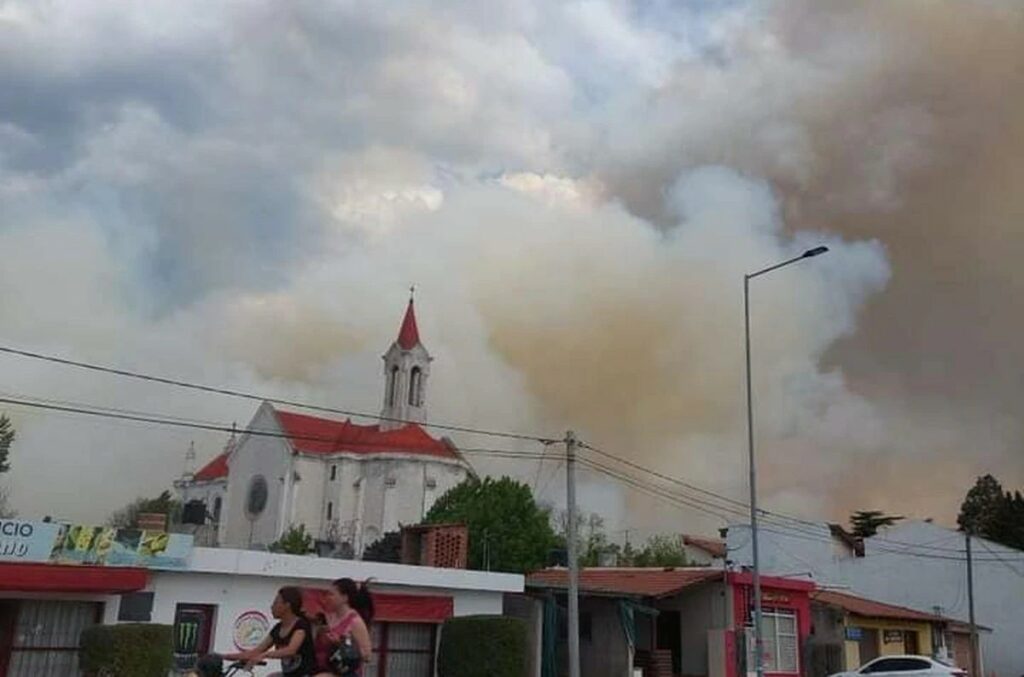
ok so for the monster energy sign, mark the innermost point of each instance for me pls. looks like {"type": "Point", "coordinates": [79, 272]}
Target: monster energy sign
{"type": "Point", "coordinates": [188, 624]}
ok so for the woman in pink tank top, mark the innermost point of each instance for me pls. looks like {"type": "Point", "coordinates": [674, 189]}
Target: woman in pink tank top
{"type": "Point", "coordinates": [347, 634]}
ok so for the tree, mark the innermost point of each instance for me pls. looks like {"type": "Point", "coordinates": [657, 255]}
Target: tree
{"type": "Point", "coordinates": [982, 506]}
{"type": "Point", "coordinates": [591, 540]}
{"type": "Point", "coordinates": [866, 523]}
{"type": "Point", "coordinates": [295, 541]}
{"type": "Point", "coordinates": [504, 522]}
{"type": "Point", "coordinates": [661, 551]}
{"type": "Point", "coordinates": [989, 512]}
{"type": "Point", "coordinates": [387, 549]}
{"type": "Point", "coordinates": [6, 440]}
{"type": "Point", "coordinates": [164, 504]}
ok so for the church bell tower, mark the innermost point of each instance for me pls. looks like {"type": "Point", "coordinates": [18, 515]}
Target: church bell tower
{"type": "Point", "coordinates": [406, 369]}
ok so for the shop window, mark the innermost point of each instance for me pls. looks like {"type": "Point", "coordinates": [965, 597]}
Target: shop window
{"type": "Point", "coordinates": [402, 650]}
{"type": "Point", "coordinates": [136, 607]}
{"type": "Point", "coordinates": [46, 636]}
{"type": "Point", "coordinates": [781, 642]}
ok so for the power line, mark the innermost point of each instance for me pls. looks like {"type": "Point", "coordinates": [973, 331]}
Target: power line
{"type": "Point", "coordinates": [767, 514]}
{"type": "Point", "coordinates": [260, 398]}
{"type": "Point", "coordinates": [153, 419]}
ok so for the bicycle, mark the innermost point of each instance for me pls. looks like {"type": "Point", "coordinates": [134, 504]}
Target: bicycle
{"type": "Point", "coordinates": [212, 665]}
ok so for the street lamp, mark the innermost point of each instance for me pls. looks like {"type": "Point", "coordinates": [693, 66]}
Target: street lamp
{"type": "Point", "coordinates": [758, 637]}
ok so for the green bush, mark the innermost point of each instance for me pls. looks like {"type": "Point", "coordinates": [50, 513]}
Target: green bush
{"type": "Point", "coordinates": [483, 646]}
{"type": "Point", "coordinates": [128, 650]}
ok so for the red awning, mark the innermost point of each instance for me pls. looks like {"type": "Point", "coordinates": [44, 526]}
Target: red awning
{"type": "Point", "coordinates": [413, 608]}
{"type": "Point", "coordinates": [58, 578]}
{"type": "Point", "coordinates": [395, 608]}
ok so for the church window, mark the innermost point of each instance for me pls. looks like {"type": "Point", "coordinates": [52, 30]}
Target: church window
{"type": "Point", "coordinates": [393, 386]}
{"type": "Point", "coordinates": [415, 387]}
{"type": "Point", "coordinates": [330, 510]}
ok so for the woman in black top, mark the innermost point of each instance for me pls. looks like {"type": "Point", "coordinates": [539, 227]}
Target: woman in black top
{"type": "Point", "coordinates": [292, 638]}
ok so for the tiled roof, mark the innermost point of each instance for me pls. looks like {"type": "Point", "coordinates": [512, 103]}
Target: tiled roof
{"type": "Point", "coordinates": [409, 334]}
{"type": "Point", "coordinates": [711, 546]}
{"type": "Point", "coordinates": [316, 435]}
{"type": "Point", "coordinates": [870, 608]}
{"type": "Point", "coordinates": [214, 470]}
{"type": "Point", "coordinates": [631, 582]}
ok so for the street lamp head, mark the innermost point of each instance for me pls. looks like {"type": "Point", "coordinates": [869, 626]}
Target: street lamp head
{"type": "Point", "coordinates": [817, 251]}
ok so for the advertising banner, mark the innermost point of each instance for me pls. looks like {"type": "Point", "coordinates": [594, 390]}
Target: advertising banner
{"type": "Point", "coordinates": [25, 541]}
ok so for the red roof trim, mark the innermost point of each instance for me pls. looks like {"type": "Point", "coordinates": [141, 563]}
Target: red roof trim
{"type": "Point", "coordinates": [870, 608]}
{"type": "Point", "coordinates": [214, 470]}
{"type": "Point", "coordinates": [409, 334]}
{"type": "Point", "coordinates": [61, 578]}
{"type": "Point", "coordinates": [321, 436]}
{"type": "Point", "coordinates": [627, 581]}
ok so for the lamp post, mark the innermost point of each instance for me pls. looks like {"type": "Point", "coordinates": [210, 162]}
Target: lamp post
{"type": "Point", "coordinates": [756, 583]}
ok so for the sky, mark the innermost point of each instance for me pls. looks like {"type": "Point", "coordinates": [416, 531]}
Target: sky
{"type": "Point", "coordinates": [241, 194]}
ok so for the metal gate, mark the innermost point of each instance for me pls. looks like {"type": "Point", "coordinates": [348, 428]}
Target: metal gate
{"type": "Point", "coordinates": [402, 650]}
{"type": "Point", "coordinates": [46, 637]}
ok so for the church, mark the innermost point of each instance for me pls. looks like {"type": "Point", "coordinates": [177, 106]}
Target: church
{"type": "Point", "coordinates": [347, 483]}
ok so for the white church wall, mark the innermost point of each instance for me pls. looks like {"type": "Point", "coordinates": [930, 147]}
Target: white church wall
{"type": "Point", "coordinates": [257, 455]}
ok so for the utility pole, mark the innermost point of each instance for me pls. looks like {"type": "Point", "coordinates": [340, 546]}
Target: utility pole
{"type": "Point", "coordinates": [574, 562]}
{"type": "Point", "coordinates": [754, 536]}
{"type": "Point", "coordinates": [975, 663]}
{"type": "Point", "coordinates": [756, 553]}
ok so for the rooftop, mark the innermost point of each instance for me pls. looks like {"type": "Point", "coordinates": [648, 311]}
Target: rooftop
{"type": "Point", "coordinates": [714, 547]}
{"type": "Point", "coordinates": [316, 435]}
{"type": "Point", "coordinates": [637, 582]}
{"type": "Point", "coordinates": [870, 608]}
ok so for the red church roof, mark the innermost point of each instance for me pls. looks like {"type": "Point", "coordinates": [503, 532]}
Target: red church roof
{"type": "Point", "coordinates": [215, 469]}
{"type": "Point", "coordinates": [315, 435]}
{"type": "Point", "coordinates": [409, 334]}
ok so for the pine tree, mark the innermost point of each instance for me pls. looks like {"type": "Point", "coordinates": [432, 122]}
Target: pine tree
{"type": "Point", "coordinates": [866, 523]}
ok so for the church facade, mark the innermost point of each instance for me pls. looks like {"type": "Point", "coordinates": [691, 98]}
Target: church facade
{"type": "Point", "coordinates": [348, 484]}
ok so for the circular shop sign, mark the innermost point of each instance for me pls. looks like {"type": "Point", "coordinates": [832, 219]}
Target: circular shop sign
{"type": "Point", "coordinates": [250, 630]}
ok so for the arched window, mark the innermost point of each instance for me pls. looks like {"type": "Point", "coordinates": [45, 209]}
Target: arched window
{"type": "Point", "coordinates": [393, 386]}
{"type": "Point", "coordinates": [330, 510]}
{"type": "Point", "coordinates": [216, 509]}
{"type": "Point", "coordinates": [415, 386]}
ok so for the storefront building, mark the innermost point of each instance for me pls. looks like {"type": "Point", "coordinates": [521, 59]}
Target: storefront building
{"type": "Point", "coordinates": [695, 622]}
{"type": "Point", "coordinates": [58, 580]}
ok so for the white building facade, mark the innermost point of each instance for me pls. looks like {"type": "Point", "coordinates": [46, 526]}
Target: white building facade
{"type": "Point", "coordinates": [919, 565]}
{"type": "Point", "coordinates": [346, 484]}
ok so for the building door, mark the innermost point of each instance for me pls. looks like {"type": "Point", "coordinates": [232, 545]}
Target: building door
{"type": "Point", "coordinates": [46, 637]}
{"type": "Point", "coordinates": [670, 637]}
{"type": "Point", "coordinates": [8, 619]}
{"type": "Point", "coordinates": [868, 644]}
{"type": "Point", "coordinates": [911, 645]}
{"type": "Point", "coordinates": [402, 650]}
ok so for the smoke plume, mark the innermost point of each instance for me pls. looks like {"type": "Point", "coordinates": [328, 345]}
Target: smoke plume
{"type": "Point", "coordinates": [242, 195]}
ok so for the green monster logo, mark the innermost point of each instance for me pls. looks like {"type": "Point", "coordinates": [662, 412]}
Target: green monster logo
{"type": "Point", "coordinates": [186, 636]}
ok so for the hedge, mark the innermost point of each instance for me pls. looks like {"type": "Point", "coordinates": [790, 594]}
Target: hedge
{"type": "Point", "coordinates": [127, 650]}
{"type": "Point", "coordinates": [483, 646]}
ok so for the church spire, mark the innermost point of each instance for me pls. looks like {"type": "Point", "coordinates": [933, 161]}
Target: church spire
{"type": "Point", "coordinates": [406, 368]}
{"type": "Point", "coordinates": [409, 334]}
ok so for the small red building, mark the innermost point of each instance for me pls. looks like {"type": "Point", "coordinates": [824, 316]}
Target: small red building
{"type": "Point", "coordinates": [685, 622]}
{"type": "Point", "coordinates": [786, 624]}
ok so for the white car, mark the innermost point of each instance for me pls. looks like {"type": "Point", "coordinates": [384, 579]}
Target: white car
{"type": "Point", "coordinates": [905, 666]}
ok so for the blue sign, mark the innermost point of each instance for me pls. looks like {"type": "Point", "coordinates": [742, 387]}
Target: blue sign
{"type": "Point", "coordinates": [854, 634]}
{"type": "Point", "coordinates": [22, 541]}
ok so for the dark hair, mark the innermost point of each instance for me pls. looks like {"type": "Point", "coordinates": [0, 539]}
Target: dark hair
{"type": "Point", "coordinates": [321, 619]}
{"type": "Point", "coordinates": [359, 597]}
{"type": "Point", "coordinates": [292, 596]}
